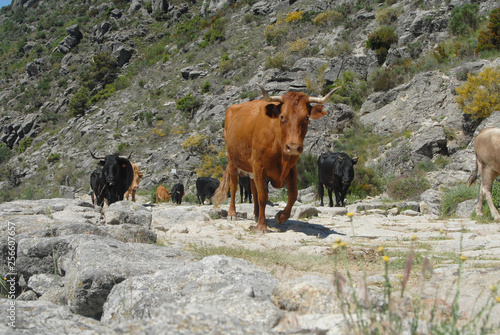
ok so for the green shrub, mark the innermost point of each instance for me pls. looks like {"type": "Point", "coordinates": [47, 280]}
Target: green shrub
{"type": "Point", "coordinates": [307, 171]}
{"type": "Point", "coordinates": [366, 183]}
{"type": "Point", "coordinates": [479, 96]}
{"type": "Point", "coordinates": [146, 117]}
{"type": "Point", "coordinates": [103, 70]}
{"type": "Point", "coordinates": [408, 187]}
{"type": "Point", "coordinates": [278, 61]}
{"type": "Point", "coordinates": [79, 102]}
{"type": "Point", "coordinates": [276, 33]}
{"type": "Point", "coordinates": [353, 92]}
{"type": "Point", "coordinates": [188, 31]}
{"type": "Point", "coordinates": [103, 94]}
{"type": "Point", "coordinates": [205, 88]}
{"type": "Point", "coordinates": [387, 15]}
{"type": "Point", "coordinates": [53, 157]}
{"type": "Point", "coordinates": [490, 39]}
{"type": "Point", "coordinates": [123, 147]}
{"type": "Point", "coordinates": [189, 104]}
{"type": "Point", "coordinates": [452, 196]}
{"type": "Point", "coordinates": [380, 41]}
{"type": "Point", "coordinates": [5, 152]}
{"type": "Point", "coordinates": [329, 17]}
{"type": "Point", "coordinates": [464, 19]}
{"type": "Point", "coordinates": [215, 34]}
{"type": "Point", "coordinates": [24, 144]}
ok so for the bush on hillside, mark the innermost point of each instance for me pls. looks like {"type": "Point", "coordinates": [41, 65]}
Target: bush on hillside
{"type": "Point", "coordinates": [490, 39]}
{"type": "Point", "coordinates": [464, 19]}
{"type": "Point", "coordinates": [307, 171]}
{"type": "Point", "coordinates": [408, 187]}
{"type": "Point", "coordinates": [4, 152]}
{"type": "Point", "coordinates": [103, 70]}
{"type": "Point", "coordinates": [79, 102]}
{"type": "Point", "coordinates": [381, 40]}
{"type": "Point", "coordinates": [188, 104]}
{"type": "Point", "coordinates": [24, 144]}
{"type": "Point", "coordinates": [479, 96]}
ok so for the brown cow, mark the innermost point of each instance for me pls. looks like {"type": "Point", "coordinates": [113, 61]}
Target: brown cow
{"type": "Point", "coordinates": [135, 183]}
{"type": "Point", "coordinates": [162, 194]}
{"type": "Point", "coordinates": [264, 139]}
{"type": "Point", "coordinates": [487, 148]}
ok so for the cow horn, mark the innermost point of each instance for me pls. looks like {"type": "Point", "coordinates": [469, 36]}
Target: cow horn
{"type": "Point", "coordinates": [123, 157]}
{"type": "Point", "coordinates": [94, 157]}
{"type": "Point", "coordinates": [274, 98]}
{"type": "Point", "coordinates": [325, 98]}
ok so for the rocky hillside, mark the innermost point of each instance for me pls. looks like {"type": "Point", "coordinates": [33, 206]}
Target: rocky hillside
{"type": "Point", "coordinates": [155, 78]}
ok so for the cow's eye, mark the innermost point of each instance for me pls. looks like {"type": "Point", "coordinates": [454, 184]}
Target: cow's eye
{"type": "Point", "coordinates": [283, 119]}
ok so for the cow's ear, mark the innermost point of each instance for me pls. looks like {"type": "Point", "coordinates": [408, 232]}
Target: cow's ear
{"type": "Point", "coordinates": [317, 112]}
{"type": "Point", "coordinates": [273, 111]}
{"type": "Point", "coordinates": [354, 160]}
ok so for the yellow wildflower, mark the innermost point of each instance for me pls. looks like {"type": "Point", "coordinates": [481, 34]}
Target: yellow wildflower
{"type": "Point", "coordinates": [463, 257]}
{"type": "Point", "coordinates": [386, 259]}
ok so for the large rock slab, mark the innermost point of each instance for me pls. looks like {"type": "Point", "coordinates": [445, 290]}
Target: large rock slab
{"type": "Point", "coordinates": [231, 286]}
{"type": "Point", "coordinates": [93, 265]}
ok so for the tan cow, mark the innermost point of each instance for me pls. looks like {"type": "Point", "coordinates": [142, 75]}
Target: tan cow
{"type": "Point", "coordinates": [135, 183]}
{"type": "Point", "coordinates": [264, 140]}
{"type": "Point", "coordinates": [487, 148]}
{"type": "Point", "coordinates": [162, 194]}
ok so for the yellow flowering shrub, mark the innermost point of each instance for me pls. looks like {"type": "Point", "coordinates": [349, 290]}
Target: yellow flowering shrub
{"type": "Point", "coordinates": [479, 96]}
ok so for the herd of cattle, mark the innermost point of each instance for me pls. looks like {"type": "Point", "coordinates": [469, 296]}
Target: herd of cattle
{"type": "Point", "coordinates": [264, 140]}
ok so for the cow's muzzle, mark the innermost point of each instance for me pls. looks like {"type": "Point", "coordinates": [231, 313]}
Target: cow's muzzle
{"type": "Point", "coordinates": [293, 149]}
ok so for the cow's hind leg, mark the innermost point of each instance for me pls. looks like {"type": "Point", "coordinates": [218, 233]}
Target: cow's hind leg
{"type": "Point", "coordinates": [233, 186]}
{"type": "Point", "coordinates": [487, 179]}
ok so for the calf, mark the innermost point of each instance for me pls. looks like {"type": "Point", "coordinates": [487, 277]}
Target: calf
{"type": "Point", "coordinates": [177, 193]}
{"type": "Point", "coordinates": [335, 172]}
{"type": "Point", "coordinates": [245, 188]}
{"type": "Point", "coordinates": [205, 188]}
{"type": "Point", "coordinates": [100, 190]}
{"type": "Point", "coordinates": [487, 149]}
{"type": "Point", "coordinates": [162, 194]}
{"type": "Point", "coordinates": [135, 183]}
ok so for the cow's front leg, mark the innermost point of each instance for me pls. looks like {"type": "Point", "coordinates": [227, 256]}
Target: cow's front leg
{"type": "Point", "coordinates": [291, 183]}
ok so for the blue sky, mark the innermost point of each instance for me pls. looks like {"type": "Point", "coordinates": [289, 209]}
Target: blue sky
{"type": "Point", "coordinates": [5, 2]}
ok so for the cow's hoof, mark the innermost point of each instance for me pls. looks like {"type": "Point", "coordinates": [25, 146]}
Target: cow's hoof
{"type": "Point", "coordinates": [231, 218]}
{"type": "Point", "coordinates": [277, 218]}
{"type": "Point", "coordinates": [257, 229]}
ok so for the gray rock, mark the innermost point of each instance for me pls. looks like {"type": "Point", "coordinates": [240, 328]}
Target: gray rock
{"type": "Point", "coordinates": [309, 295]}
{"type": "Point", "coordinates": [230, 286]}
{"type": "Point", "coordinates": [93, 265]}
{"type": "Point", "coordinates": [42, 283]}
{"type": "Point", "coordinates": [122, 212]}
{"type": "Point", "coordinates": [46, 318]}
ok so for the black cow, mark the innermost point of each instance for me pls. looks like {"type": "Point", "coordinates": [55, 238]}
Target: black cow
{"type": "Point", "coordinates": [245, 189]}
{"type": "Point", "coordinates": [112, 180]}
{"type": "Point", "coordinates": [177, 193]}
{"type": "Point", "coordinates": [205, 188]}
{"type": "Point", "coordinates": [99, 187]}
{"type": "Point", "coordinates": [335, 172]}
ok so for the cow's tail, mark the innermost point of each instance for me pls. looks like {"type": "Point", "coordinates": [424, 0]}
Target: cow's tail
{"type": "Point", "coordinates": [221, 192]}
{"type": "Point", "coordinates": [473, 176]}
